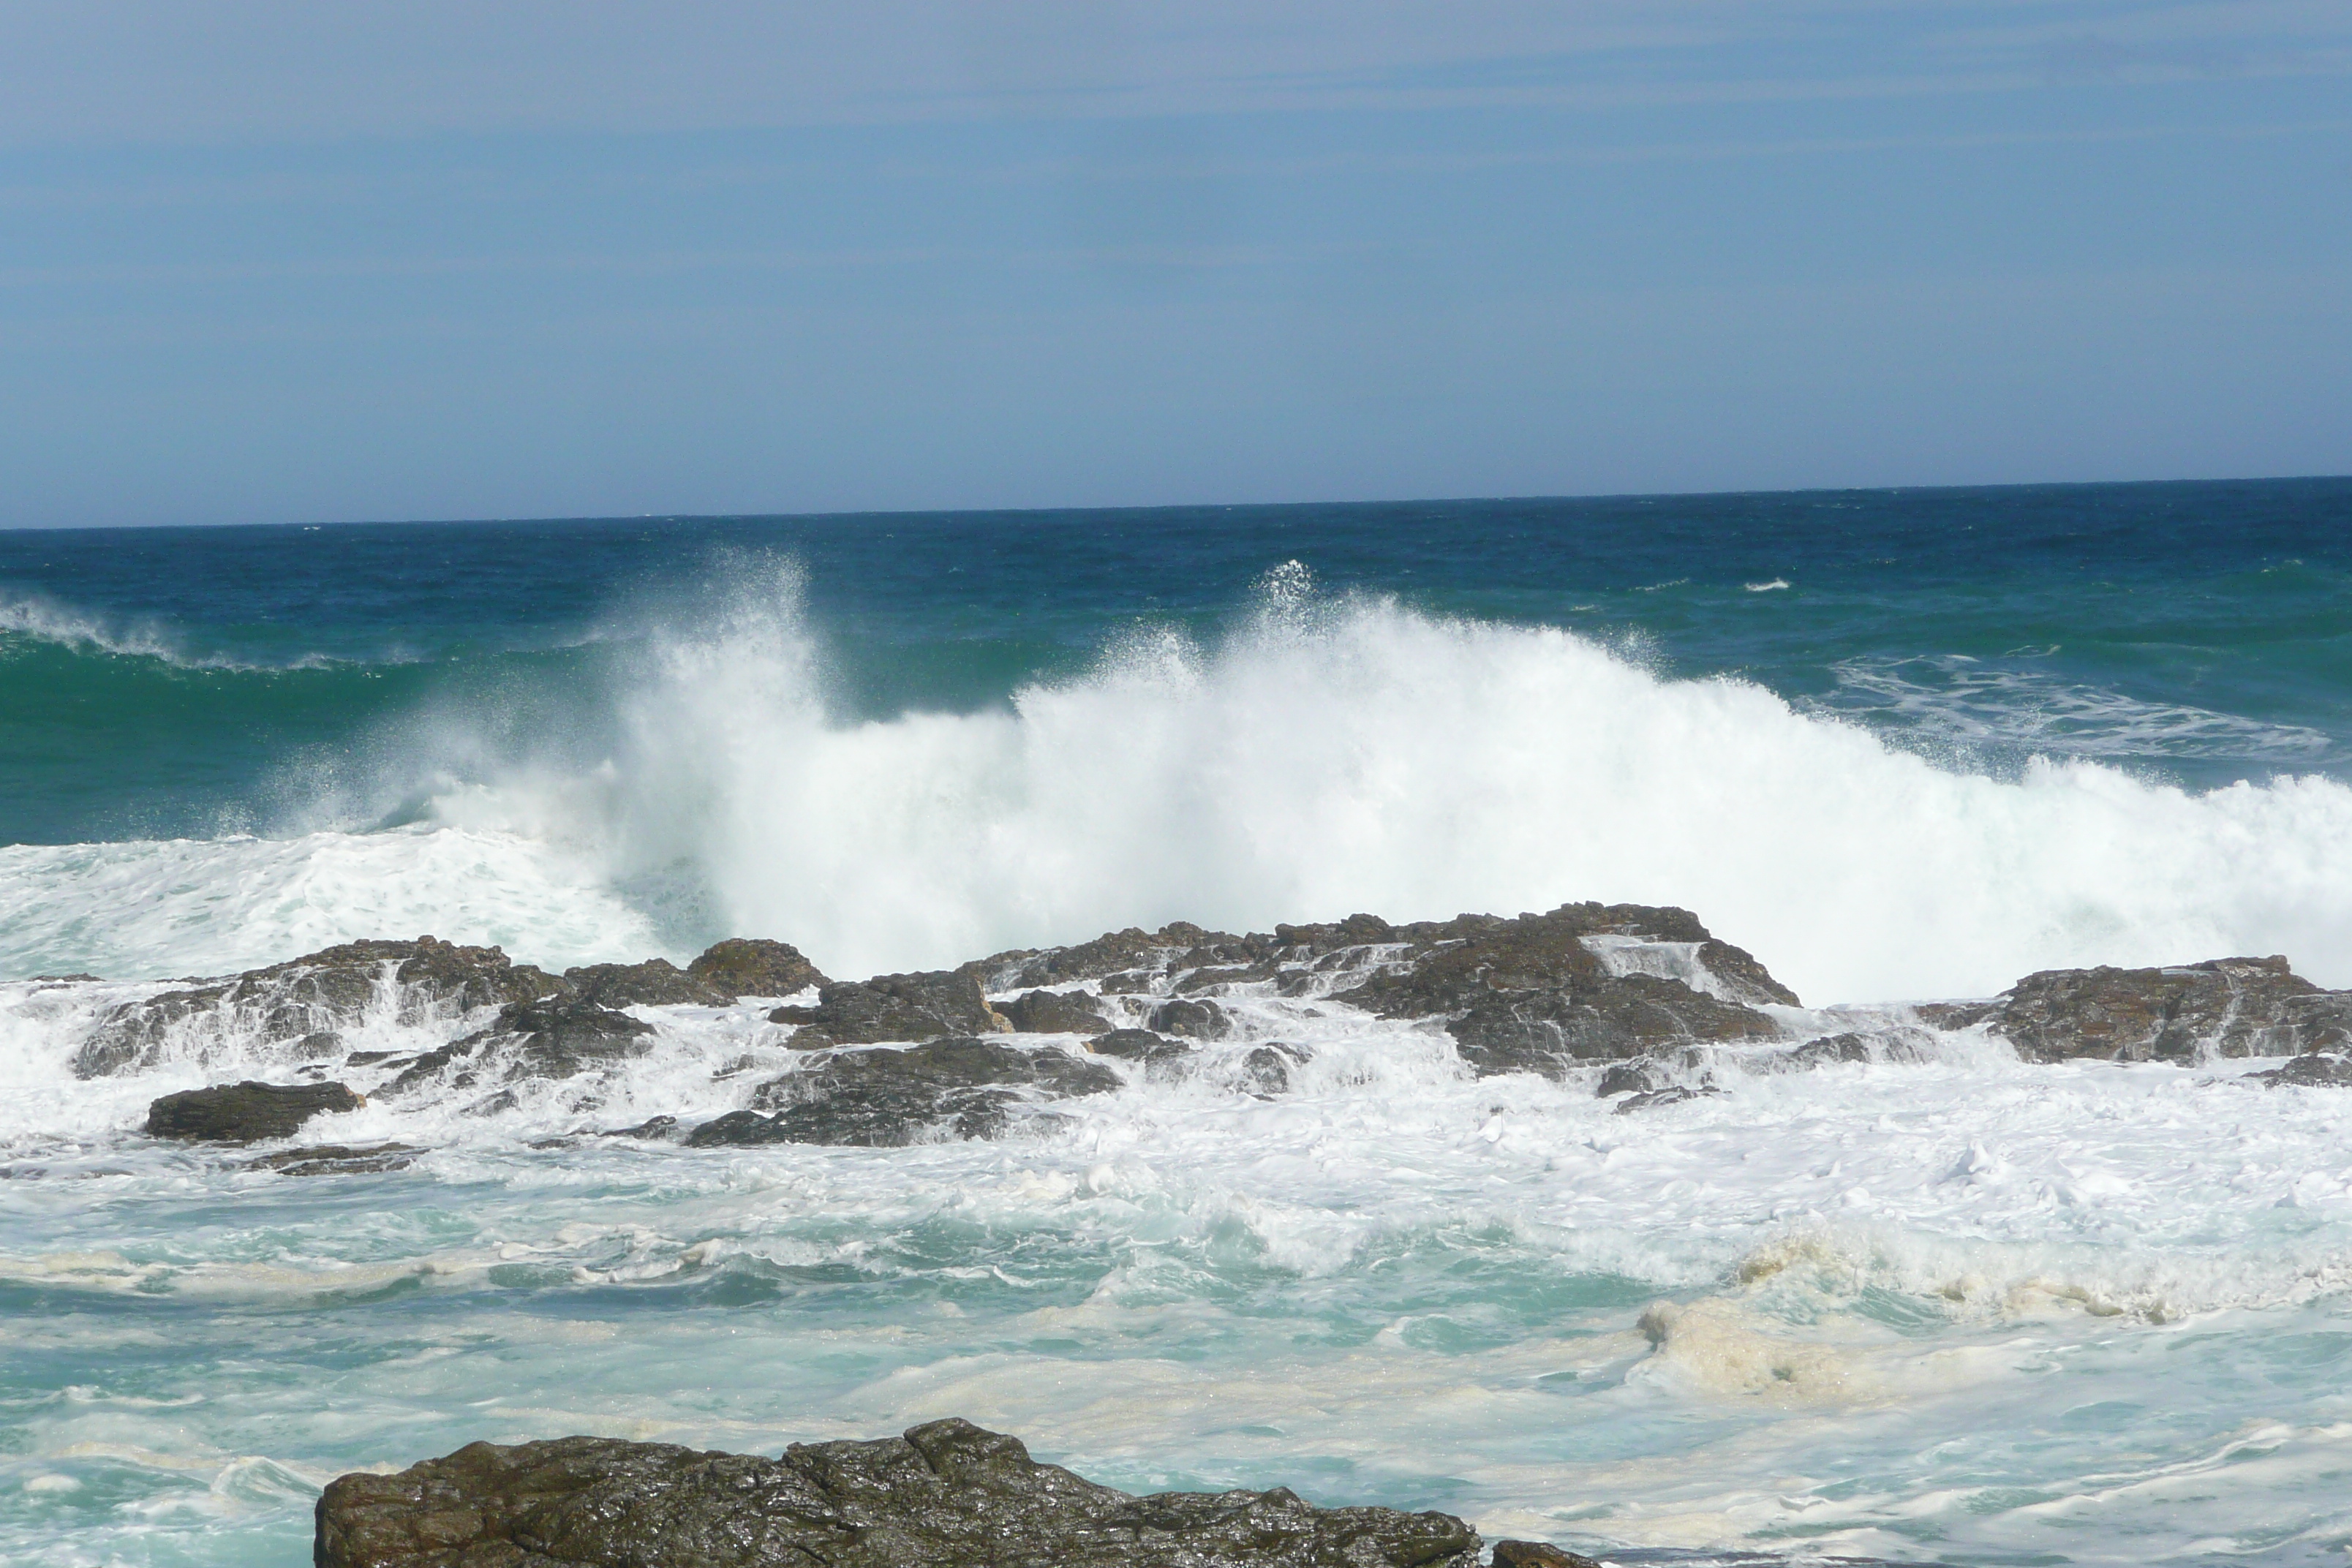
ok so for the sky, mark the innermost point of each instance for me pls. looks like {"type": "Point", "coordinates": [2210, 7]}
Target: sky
{"type": "Point", "coordinates": [264, 261]}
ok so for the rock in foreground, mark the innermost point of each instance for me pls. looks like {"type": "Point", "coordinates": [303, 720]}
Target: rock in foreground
{"type": "Point", "coordinates": [947, 1494]}
{"type": "Point", "coordinates": [244, 1112]}
{"type": "Point", "coordinates": [2221, 1007]}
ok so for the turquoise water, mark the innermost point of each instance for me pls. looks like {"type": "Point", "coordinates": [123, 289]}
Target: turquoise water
{"type": "Point", "coordinates": [1898, 745]}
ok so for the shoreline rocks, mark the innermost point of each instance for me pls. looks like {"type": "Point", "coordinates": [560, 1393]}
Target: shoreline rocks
{"type": "Point", "coordinates": [247, 1112]}
{"type": "Point", "coordinates": [2183, 1013]}
{"type": "Point", "coordinates": [946, 1492]}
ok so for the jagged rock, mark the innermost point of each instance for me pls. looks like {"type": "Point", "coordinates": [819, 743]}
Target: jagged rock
{"type": "Point", "coordinates": [655, 982]}
{"type": "Point", "coordinates": [754, 966]}
{"type": "Point", "coordinates": [1195, 1020]}
{"type": "Point", "coordinates": [1531, 994]}
{"type": "Point", "coordinates": [555, 1038]}
{"type": "Point", "coordinates": [1537, 1555]}
{"type": "Point", "coordinates": [1673, 1094]}
{"type": "Point", "coordinates": [889, 1007]}
{"type": "Point", "coordinates": [337, 1160]}
{"type": "Point", "coordinates": [2315, 1070]}
{"type": "Point", "coordinates": [656, 1127]}
{"type": "Point", "coordinates": [2224, 1008]}
{"type": "Point", "coordinates": [883, 1099]}
{"type": "Point", "coordinates": [946, 1493]}
{"type": "Point", "coordinates": [1157, 1053]}
{"type": "Point", "coordinates": [1054, 1013]}
{"type": "Point", "coordinates": [328, 990]}
{"type": "Point", "coordinates": [244, 1112]}
{"type": "Point", "coordinates": [1119, 951]}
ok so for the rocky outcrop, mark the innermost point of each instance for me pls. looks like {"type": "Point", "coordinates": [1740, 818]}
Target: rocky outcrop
{"type": "Point", "coordinates": [2222, 1007]}
{"type": "Point", "coordinates": [958, 1088]}
{"type": "Point", "coordinates": [945, 1493]}
{"type": "Point", "coordinates": [1539, 992]}
{"type": "Point", "coordinates": [754, 966]}
{"type": "Point", "coordinates": [1195, 1020]}
{"type": "Point", "coordinates": [337, 1160]}
{"type": "Point", "coordinates": [244, 1112]}
{"type": "Point", "coordinates": [655, 982]}
{"type": "Point", "coordinates": [890, 1007]}
{"type": "Point", "coordinates": [2318, 1069]}
{"type": "Point", "coordinates": [1157, 1054]}
{"type": "Point", "coordinates": [1054, 1013]}
{"type": "Point", "coordinates": [319, 993]}
{"type": "Point", "coordinates": [558, 1038]}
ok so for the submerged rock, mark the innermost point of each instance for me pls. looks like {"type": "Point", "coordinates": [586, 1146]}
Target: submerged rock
{"type": "Point", "coordinates": [754, 966]}
{"type": "Point", "coordinates": [890, 1007]}
{"type": "Point", "coordinates": [945, 1493]}
{"type": "Point", "coordinates": [1198, 1020]}
{"type": "Point", "coordinates": [337, 1160]}
{"type": "Point", "coordinates": [884, 1098]}
{"type": "Point", "coordinates": [323, 992]}
{"type": "Point", "coordinates": [2221, 1007]}
{"type": "Point", "coordinates": [1157, 1053]}
{"type": "Point", "coordinates": [2315, 1070]}
{"type": "Point", "coordinates": [655, 982]}
{"type": "Point", "coordinates": [1537, 1555]}
{"type": "Point", "coordinates": [245, 1113]}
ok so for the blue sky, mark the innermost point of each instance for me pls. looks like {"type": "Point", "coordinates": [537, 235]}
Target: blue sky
{"type": "Point", "coordinates": [266, 262]}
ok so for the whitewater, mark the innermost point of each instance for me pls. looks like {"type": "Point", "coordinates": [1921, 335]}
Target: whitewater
{"type": "Point", "coordinates": [1938, 1304]}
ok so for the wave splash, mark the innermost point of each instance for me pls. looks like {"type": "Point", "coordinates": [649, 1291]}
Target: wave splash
{"type": "Point", "coordinates": [1337, 754]}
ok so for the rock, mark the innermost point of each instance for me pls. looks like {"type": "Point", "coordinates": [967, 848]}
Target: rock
{"type": "Point", "coordinates": [1159, 1055]}
{"type": "Point", "coordinates": [1537, 1555]}
{"type": "Point", "coordinates": [2315, 1071]}
{"type": "Point", "coordinates": [244, 1112]}
{"type": "Point", "coordinates": [659, 1127]}
{"type": "Point", "coordinates": [2222, 1007]}
{"type": "Point", "coordinates": [1673, 1094]}
{"type": "Point", "coordinates": [884, 1098]}
{"type": "Point", "coordinates": [655, 982]}
{"type": "Point", "coordinates": [1196, 1020]}
{"type": "Point", "coordinates": [559, 1038]}
{"type": "Point", "coordinates": [1054, 1013]}
{"type": "Point", "coordinates": [328, 990]}
{"type": "Point", "coordinates": [1533, 994]}
{"type": "Point", "coordinates": [337, 1160]}
{"type": "Point", "coordinates": [889, 1007]}
{"type": "Point", "coordinates": [1269, 1069]}
{"type": "Point", "coordinates": [946, 1493]}
{"type": "Point", "coordinates": [1120, 952]}
{"type": "Point", "coordinates": [754, 966]}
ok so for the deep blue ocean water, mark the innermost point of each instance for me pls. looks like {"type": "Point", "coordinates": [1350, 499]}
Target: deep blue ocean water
{"type": "Point", "coordinates": [1900, 745]}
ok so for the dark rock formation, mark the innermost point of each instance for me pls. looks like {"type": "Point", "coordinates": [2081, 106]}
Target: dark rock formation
{"type": "Point", "coordinates": [655, 982]}
{"type": "Point", "coordinates": [1054, 1013]}
{"type": "Point", "coordinates": [336, 1160]}
{"type": "Point", "coordinates": [1537, 1555]}
{"type": "Point", "coordinates": [1157, 1053]}
{"type": "Point", "coordinates": [1673, 1094]}
{"type": "Point", "coordinates": [1532, 993]}
{"type": "Point", "coordinates": [946, 1494]}
{"type": "Point", "coordinates": [883, 1099]}
{"type": "Point", "coordinates": [1116, 952]}
{"type": "Point", "coordinates": [555, 1038]}
{"type": "Point", "coordinates": [889, 1007]}
{"type": "Point", "coordinates": [1270, 1068]}
{"type": "Point", "coordinates": [754, 966]}
{"type": "Point", "coordinates": [244, 1112]}
{"type": "Point", "coordinates": [2315, 1071]}
{"type": "Point", "coordinates": [328, 990]}
{"type": "Point", "coordinates": [1196, 1020]}
{"type": "Point", "coordinates": [2224, 1007]}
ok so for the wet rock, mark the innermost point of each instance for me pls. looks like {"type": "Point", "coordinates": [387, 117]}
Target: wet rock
{"type": "Point", "coordinates": [1533, 994]}
{"type": "Point", "coordinates": [659, 1127]}
{"type": "Point", "coordinates": [1133, 952]}
{"type": "Point", "coordinates": [2315, 1070]}
{"type": "Point", "coordinates": [1157, 1053]}
{"type": "Point", "coordinates": [1271, 1068]}
{"type": "Point", "coordinates": [885, 1098]}
{"type": "Point", "coordinates": [655, 982]}
{"type": "Point", "coordinates": [337, 1160]}
{"type": "Point", "coordinates": [1054, 1013]}
{"type": "Point", "coordinates": [1537, 1555]}
{"type": "Point", "coordinates": [1673, 1094]}
{"type": "Point", "coordinates": [1194, 1019]}
{"type": "Point", "coordinates": [889, 1007]}
{"type": "Point", "coordinates": [559, 1038]}
{"type": "Point", "coordinates": [2222, 1007]}
{"type": "Point", "coordinates": [244, 1112]}
{"type": "Point", "coordinates": [329, 990]}
{"type": "Point", "coordinates": [754, 966]}
{"type": "Point", "coordinates": [945, 1493]}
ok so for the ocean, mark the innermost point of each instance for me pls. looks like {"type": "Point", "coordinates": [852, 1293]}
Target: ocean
{"type": "Point", "coordinates": [1901, 745]}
